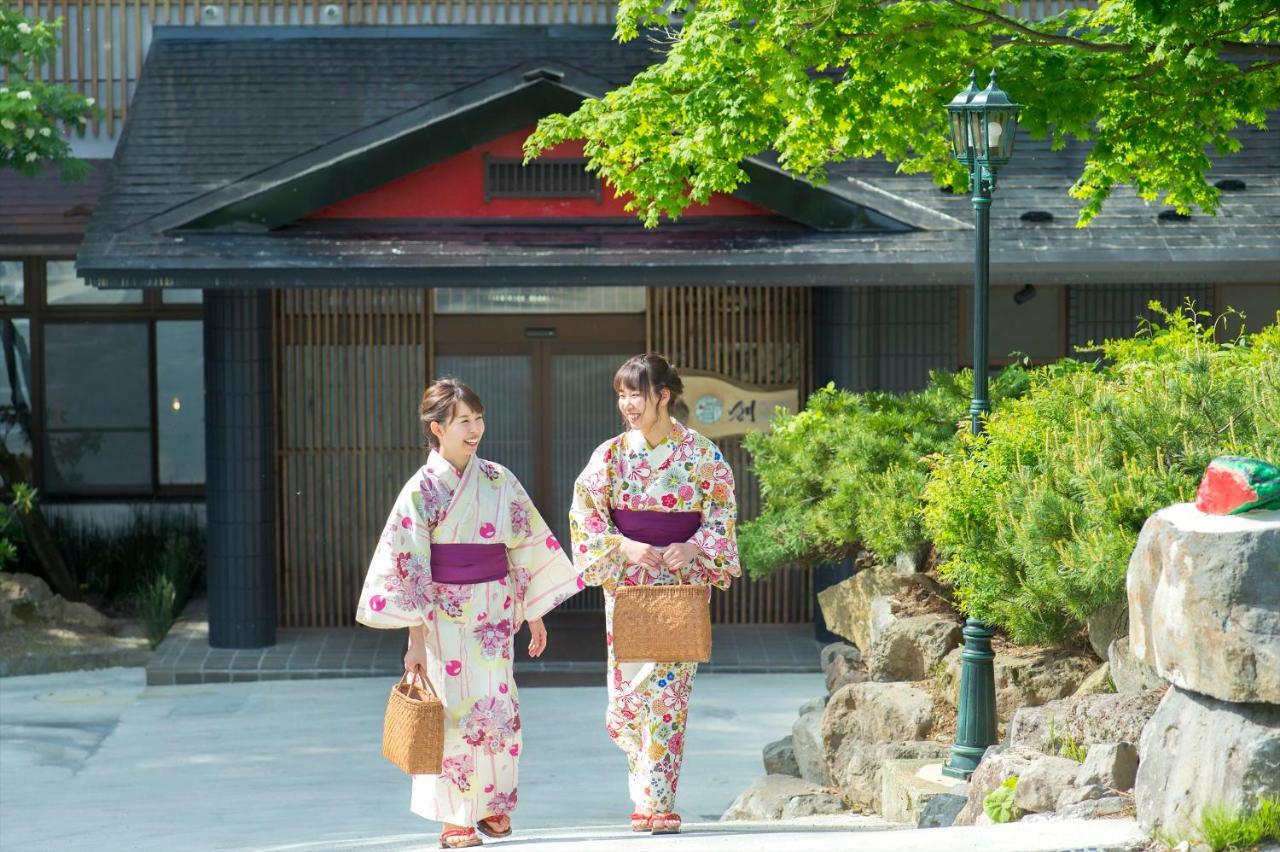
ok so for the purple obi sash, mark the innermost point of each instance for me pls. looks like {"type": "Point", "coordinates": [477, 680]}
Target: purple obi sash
{"type": "Point", "coordinates": [657, 529]}
{"type": "Point", "coordinates": [467, 564]}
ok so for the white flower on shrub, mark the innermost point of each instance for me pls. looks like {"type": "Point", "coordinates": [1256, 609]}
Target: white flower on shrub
{"type": "Point", "coordinates": [24, 28]}
{"type": "Point", "coordinates": [32, 157]}
{"type": "Point", "coordinates": [30, 133]}
{"type": "Point", "coordinates": [46, 132]}
{"type": "Point", "coordinates": [7, 124]}
{"type": "Point", "coordinates": [89, 101]}
{"type": "Point", "coordinates": [24, 95]}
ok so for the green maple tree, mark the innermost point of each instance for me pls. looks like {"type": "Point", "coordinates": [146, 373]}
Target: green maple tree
{"type": "Point", "coordinates": [1156, 85]}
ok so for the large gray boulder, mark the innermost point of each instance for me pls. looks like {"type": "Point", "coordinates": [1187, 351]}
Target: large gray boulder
{"type": "Point", "coordinates": [866, 724]}
{"type": "Point", "coordinates": [1110, 765]}
{"type": "Point", "coordinates": [859, 773]}
{"type": "Point", "coordinates": [846, 606]}
{"type": "Point", "coordinates": [1128, 673]}
{"type": "Point", "coordinates": [780, 758]}
{"type": "Point", "coordinates": [1200, 751]}
{"type": "Point", "coordinates": [782, 797]}
{"type": "Point", "coordinates": [1041, 783]}
{"type": "Point", "coordinates": [909, 647]}
{"type": "Point", "coordinates": [23, 599]}
{"type": "Point", "coordinates": [1106, 625]}
{"type": "Point", "coordinates": [1087, 719]}
{"type": "Point", "coordinates": [808, 750]}
{"type": "Point", "coordinates": [1204, 589]}
{"type": "Point", "coordinates": [842, 665]}
{"type": "Point", "coordinates": [999, 764]}
{"type": "Point", "coordinates": [1025, 677]}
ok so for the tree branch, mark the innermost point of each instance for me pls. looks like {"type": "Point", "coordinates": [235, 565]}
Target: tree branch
{"type": "Point", "coordinates": [1046, 38]}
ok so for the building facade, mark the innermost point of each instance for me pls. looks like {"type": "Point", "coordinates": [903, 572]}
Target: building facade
{"type": "Point", "coordinates": [305, 218]}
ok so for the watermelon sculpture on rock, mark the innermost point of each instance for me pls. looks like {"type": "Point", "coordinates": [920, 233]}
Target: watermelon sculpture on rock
{"type": "Point", "coordinates": [1235, 484]}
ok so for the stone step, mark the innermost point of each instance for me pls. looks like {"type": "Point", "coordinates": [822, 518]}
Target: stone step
{"type": "Point", "coordinates": [909, 785]}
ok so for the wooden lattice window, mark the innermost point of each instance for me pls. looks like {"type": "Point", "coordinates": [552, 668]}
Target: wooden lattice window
{"type": "Point", "coordinates": [508, 177]}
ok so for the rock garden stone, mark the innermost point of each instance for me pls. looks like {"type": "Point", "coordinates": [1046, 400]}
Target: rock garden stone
{"type": "Point", "coordinates": [1199, 751]}
{"type": "Point", "coordinates": [1107, 625]}
{"type": "Point", "coordinates": [22, 598]}
{"type": "Point", "coordinates": [781, 796]}
{"type": "Point", "coordinates": [1128, 673]}
{"type": "Point", "coordinates": [1076, 795]}
{"type": "Point", "coordinates": [941, 811]}
{"type": "Point", "coordinates": [1113, 766]}
{"type": "Point", "coordinates": [806, 746]}
{"type": "Point", "coordinates": [841, 673]}
{"type": "Point", "coordinates": [1097, 683]}
{"type": "Point", "coordinates": [846, 606]}
{"type": "Point", "coordinates": [812, 704]}
{"type": "Point", "coordinates": [1024, 677]}
{"type": "Point", "coordinates": [858, 771]}
{"type": "Point", "coordinates": [1088, 719]}
{"type": "Point", "coordinates": [1000, 763]}
{"type": "Point", "coordinates": [1203, 589]}
{"type": "Point", "coordinates": [908, 786]}
{"type": "Point", "coordinates": [780, 758]}
{"type": "Point", "coordinates": [912, 561]}
{"type": "Point", "coordinates": [910, 647]}
{"type": "Point", "coordinates": [876, 713]}
{"type": "Point", "coordinates": [1109, 806]}
{"type": "Point", "coordinates": [1042, 782]}
{"type": "Point", "coordinates": [830, 652]}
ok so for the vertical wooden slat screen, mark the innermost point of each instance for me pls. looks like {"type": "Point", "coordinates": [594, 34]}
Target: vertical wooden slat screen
{"type": "Point", "coordinates": [349, 366]}
{"type": "Point", "coordinates": [105, 41]}
{"type": "Point", "coordinates": [759, 335]}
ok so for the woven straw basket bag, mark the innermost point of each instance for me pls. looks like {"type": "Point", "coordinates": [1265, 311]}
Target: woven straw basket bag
{"type": "Point", "coordinates": [413, 732]}
{"type": "Point", "coordinates": [662, 624]}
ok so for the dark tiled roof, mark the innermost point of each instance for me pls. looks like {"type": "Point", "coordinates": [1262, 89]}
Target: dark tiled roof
{"type": "Point", "coordinates": [217, 107]}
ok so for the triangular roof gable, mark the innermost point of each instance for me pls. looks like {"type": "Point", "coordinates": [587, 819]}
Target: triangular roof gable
{"type": "Point", "coordinates": [455, 190]}
{"type": "Point", "coordinates": [445, 127]}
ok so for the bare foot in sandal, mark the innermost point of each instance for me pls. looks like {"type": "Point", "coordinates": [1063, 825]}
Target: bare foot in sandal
{"type": "Point", "coordinates": [457, 837]}
{"type": "Point", "coordinates": [666, 823]}
{"type": "Point", "coordinates": [495, 826]}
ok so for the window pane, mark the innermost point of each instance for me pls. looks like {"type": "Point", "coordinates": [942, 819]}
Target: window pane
{"type": "Point", "coordinates": [540, 300]}
{"type": "Point", "coordinates": [182, 297]}
{"type": "Point", "coordinates": [97, 407]}
{"type": "Point", "coordinates": [11, 289]}
{"type": "Point", "coordinates": [66, 288]}
{"type": "Point", "coordinates": [180, 402]}
{"type": "Point", "coordinates": [15, 391]}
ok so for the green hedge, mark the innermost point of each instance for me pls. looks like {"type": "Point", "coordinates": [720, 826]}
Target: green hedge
{"type": "Point", "coordinates": [848, 471]}
{"type": "Point", "coordinates": [1036, 519]}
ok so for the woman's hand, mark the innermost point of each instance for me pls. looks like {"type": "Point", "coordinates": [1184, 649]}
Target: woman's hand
{"type": "Point", "coordinates": [537, 637]}
{"type": "Point", "coordinates": [639, 553]}
{"type": "Point", "coordinates": [678, 556]}
{"type": "Point", "coordinates": [416, 655]}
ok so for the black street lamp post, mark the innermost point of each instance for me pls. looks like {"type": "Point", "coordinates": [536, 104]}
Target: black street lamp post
{"type": "Point", "coordinates": [983, 125]}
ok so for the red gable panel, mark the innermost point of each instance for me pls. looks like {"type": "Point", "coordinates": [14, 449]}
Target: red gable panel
{"type": "Point", "coordinates": [454, 189]}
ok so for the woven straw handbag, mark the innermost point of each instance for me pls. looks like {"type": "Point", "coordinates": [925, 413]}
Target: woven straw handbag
{"type": "Point", "coordinates": [413, 732]}
{"type": "Point", "coordinates": [662, 624]}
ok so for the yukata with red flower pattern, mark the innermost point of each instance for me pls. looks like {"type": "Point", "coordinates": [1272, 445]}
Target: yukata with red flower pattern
{"type": "Point", "coordinates": [470, 627]}
{"type": "Point", "coordinates": [649, 702]}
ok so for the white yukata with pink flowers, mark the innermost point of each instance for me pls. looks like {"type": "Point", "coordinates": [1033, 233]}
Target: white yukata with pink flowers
{"type": "Point", "coordinates": [471, 628]}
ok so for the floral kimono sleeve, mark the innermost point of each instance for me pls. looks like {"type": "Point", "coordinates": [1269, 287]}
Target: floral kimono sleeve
{"type": "Point", "coordinates": [397, 588]}
{"type": "Point", "coordinates": [541, 574]}
{"type": "Point", "coordinates": [594, 536]}
{"type": "Point", "coordinates": [717, 564]}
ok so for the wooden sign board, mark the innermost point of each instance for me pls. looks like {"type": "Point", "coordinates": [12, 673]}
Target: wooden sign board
{"type": "Point", "coordinates": [718, 407]}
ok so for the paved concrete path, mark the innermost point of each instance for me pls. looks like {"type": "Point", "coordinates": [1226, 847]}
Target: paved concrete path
{"type": "Point", "coordinates": [97, 761]}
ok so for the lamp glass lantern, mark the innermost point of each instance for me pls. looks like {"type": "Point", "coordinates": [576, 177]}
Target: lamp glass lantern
{"type": "Point", "coordinates": [983, 125]}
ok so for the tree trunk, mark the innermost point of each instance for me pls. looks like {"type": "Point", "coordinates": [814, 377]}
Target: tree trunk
{"type": "Point", "coordinates": [38, 535]}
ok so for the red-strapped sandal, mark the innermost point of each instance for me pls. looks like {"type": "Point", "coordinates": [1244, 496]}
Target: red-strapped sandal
{"type": "Point", "coordinates": [488, 829]}
{"type": "Point", "coordinates": [641, 822]}
{"type": "Point", "coordinates": [665, 823]}
{"type": "Point", "coordinates": [460, 838]}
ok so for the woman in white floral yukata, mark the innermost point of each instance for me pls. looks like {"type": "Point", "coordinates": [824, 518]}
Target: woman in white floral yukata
{"type": "Point", "coordinates": [655, 506]}
{"type": "Point", "coordinates": [465, 558]}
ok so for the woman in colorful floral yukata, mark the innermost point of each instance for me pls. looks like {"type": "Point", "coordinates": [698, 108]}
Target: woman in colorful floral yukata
{"type": "Point", "coordinates": [655, 506]}
{"type": "Point", "coordinates": [465, 559]}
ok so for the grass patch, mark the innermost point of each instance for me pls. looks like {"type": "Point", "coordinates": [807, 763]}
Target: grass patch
{"type": "Point", "coordinates": [1227, 829]}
